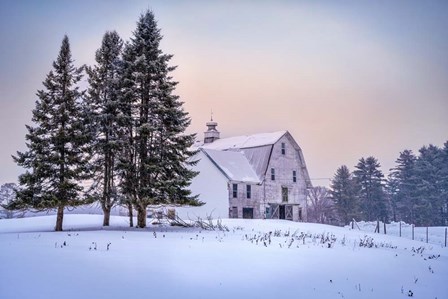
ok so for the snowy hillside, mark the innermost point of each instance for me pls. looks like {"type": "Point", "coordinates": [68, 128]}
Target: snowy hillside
{"type": "Point", "coordinates": [254, 259]}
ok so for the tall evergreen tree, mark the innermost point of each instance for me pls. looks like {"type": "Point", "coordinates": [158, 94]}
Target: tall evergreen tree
{"type": "Point", "coordinates": [105, 120]}
{"type": "Point", "coordinates": [444, 183]}
{"type": "Point", "coordinates": [403, 180]}
{"type": "Point", "coordinates": [428, 168]}
{"type": "Point", "coordinates": [343, 192]}
{"type": "Point", "coordinates": [392, 196]}
{"type": "Point", "coordinates": [371, 194]}
{"type": "Point", "coordinates": [155, 166]}
{"type": "Point", "coordinates": [56, 159]}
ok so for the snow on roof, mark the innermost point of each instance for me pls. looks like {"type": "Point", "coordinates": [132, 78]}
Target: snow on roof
{"type": "Point", "coordinates": [258, 157]}
{"type": "Point", "coordinates": [234, 165]}
{"type": "Point", "coordinates": [245, 141]}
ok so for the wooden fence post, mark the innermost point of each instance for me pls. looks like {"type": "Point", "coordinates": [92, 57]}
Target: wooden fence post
{"type": "Point", "coordinates": [385, 228]}
{"type": "Point", "coordinates": [446, 233]}
{"type": "Point", "coordinates": [400, 228]}
{"type": "Point", "coordinates": [426, 234]}
{"type": "Point", "coordinates": [412, 231]}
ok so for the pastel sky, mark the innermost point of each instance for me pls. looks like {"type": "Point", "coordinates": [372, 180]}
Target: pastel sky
{"type": "Point", "coordinates": [348, 79]}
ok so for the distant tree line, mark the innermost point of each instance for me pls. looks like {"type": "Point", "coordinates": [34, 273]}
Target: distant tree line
{"type": "Point", "coordinates": [120, 142]}
{"type": "Point", "coordinates": [415, 191]}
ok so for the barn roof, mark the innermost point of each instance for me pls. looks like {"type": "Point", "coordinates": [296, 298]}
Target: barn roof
{"type": "Point", "coordinates": [234, 165]}
{"type": "Point", "coordinates": [245, 141]}
{"type": "Point", "coordinates": [246, 158]}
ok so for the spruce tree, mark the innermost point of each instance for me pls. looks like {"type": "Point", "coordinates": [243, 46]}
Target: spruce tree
{"type": "Point", "coordinates": [156, 160]}
{"type": "Point", "coordinates": [444, 183]}
{"type": "Point", "coordinates": [371, 193]}
{"type": "Point", "coordinates": [391, 192]}
{"type": "Point", "coordinates": [173, 145]}
{"type": "Point", "coordinates": [403, 180]}
{"type": "Point", "coordinates": [343, 192]}
{"type": "Point", "coordinates": [104, 120]}
{"type": "Point", "coordinates": [429, 189]}
{"type": "Point", "coordinates": [56, 158]}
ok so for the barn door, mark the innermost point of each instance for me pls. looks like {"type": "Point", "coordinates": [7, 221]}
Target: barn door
{"type": "Point", "coordinates": [234, 212]}
{"type": "Point", "coordinates": [281, 212]}
{"type": "Point", "coordinates": [248, 213]}
{"type": "Point", "coordinates": [288, 212]}
{"type": "Point", "coordinates": [274, 209]}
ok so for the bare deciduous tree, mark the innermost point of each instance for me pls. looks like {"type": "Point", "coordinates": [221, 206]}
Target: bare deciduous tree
{"type": "Point", "coordinates": [321, 207]}
{"type": "Point", "coordinates": [7, 195]}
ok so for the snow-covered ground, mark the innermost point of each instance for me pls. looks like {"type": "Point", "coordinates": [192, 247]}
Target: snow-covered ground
{"type": "Point", "coordinates": [254, 259]}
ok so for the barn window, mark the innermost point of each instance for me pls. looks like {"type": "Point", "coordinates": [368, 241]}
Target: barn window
{"type": "Point", "coordinates": [283, 148]}
{"type": "Point", "coordinates": [284, 194]}
{"type": "Point", "coordinates": [248, 191]}
{"type": "Point", "coordinates": [272, 174]}
{"type": "Point", "coordinates": [294, 176]}
{"type": "Point", "coordinates": [235, 190]}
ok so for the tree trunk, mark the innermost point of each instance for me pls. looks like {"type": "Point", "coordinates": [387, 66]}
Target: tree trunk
{"type": "Point", "coordinates": [131, 216]}
{"type": "Point", "coordinates": [59, 219]}
{"type": "Point", "coordinates": [106, 200]}
{"type": "Point", "coordinates": [106, 218]}
{"type": "Point", "coordinates": [141, 217]}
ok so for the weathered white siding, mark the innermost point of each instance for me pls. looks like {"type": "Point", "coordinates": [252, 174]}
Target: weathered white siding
{"type": "Point", "coordinates": [211, 185]}
{"type": "Point", "coordinates": [241, 201]}
{"type": "Point", "coordinates": [270, 191]}
{"type": "Point", "coordinates": [284, 165]}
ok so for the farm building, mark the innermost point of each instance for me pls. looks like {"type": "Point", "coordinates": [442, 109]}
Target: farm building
{"type": "Point", "coordinates": [256, 176]}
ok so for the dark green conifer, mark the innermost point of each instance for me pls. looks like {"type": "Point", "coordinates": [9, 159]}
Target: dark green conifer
{"type": "Point", "coordinates": [104, 120]}
{"type": "Point", "coordinates": [55, 161]}
{"type": "Point", "coordinates": [344, 193]}
{"type": "Point", "coordinates": [155, 166]}
{"type": "Point", "coordinates": [369, 177]}
{"type": "Point", "coordinates": [402, 186]}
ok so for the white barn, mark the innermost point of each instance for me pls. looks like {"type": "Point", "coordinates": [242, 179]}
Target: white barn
{"type": "Point", "coordinates": [256, 176]}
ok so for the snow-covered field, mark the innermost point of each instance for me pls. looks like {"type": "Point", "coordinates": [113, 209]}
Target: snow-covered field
{"type": "Point", "coordinates": [254, 259]}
